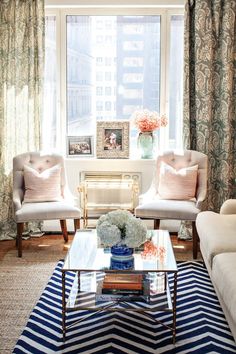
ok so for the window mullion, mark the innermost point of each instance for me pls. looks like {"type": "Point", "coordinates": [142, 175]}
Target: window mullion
{"type": "Point", "coordinates": [59, 86]}
{"type": "Point", "coordinates": [63, 79]}
{"type": "Point", "coordinates": [164, 76]}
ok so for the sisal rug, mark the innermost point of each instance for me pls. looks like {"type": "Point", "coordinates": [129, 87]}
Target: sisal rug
{"type": "Point", "coordinates": [201, 325]}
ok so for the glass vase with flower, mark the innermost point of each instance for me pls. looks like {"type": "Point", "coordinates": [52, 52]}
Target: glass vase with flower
{"type": "Point", "coordinates": [147, 122]}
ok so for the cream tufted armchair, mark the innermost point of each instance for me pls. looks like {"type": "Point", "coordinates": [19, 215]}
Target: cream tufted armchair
{"type": "Point", "coordinates": [153, 206]}
{"type": "Point", "coordinates": [60, 209]}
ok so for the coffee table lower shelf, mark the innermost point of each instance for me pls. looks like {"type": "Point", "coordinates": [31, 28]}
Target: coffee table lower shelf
{"type": "Point", "coordinates": [85, 295]}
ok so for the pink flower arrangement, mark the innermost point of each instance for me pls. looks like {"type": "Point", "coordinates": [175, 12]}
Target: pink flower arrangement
{"type": "Point", "coordinates": [147, 121]}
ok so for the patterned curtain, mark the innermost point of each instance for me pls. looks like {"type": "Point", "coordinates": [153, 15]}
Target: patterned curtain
{"type": "Point", "coordinates": [21, 73]}
{"type": "Point", "coordinates": [210, 92]}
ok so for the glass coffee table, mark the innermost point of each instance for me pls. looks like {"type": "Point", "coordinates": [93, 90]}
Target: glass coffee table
{"type": "Point", "coordinates": [91, 263]}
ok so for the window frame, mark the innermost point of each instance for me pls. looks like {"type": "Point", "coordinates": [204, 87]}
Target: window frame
{"type": "Point", "coordinates": [61, 51]}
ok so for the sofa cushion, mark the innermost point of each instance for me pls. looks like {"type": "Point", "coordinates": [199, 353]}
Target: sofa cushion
{"type": "Point", "coordinates": [217, 234]}
{"type": "Point", "coordinates": [223, 277]}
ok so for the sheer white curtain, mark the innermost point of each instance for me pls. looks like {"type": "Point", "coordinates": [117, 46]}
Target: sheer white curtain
{"type": "Point", "coordinates": [21, 79]}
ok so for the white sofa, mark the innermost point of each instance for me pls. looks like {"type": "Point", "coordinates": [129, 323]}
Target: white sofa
{"type": "Point", "coordinates": [217, 234]}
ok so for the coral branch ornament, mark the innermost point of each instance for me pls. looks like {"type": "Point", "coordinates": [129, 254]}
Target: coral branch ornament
{"type": "Point", "coordinates": [120, 227]}
{"type": "Point", "coordinates": [153, 251]}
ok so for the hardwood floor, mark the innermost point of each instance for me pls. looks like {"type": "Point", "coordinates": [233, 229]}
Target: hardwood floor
{"type": "Point", "coordinates": [182, 248]}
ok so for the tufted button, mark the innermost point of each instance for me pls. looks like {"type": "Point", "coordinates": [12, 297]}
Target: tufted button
{"type": "Point", "coordinates": [40, 169]}
{"type": "Point", "coordinates": [30, 161]}
{"type": "Point", "coordinates": [47, 161]}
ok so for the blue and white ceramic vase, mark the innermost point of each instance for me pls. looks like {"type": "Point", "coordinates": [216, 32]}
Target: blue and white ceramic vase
{"type": "Point", "coordinates": [122, 257]}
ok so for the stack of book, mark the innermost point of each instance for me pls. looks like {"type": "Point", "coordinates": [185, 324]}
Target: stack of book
{"type": "Point", "coordinates": [122, 287]}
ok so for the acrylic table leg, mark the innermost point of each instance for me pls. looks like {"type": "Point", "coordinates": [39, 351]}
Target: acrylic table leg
{"type": "Point", "coordinates": [174, 306]}
{"type": "Point", "coordinates": [78, 275]}
{"type": "Point", "coordinates": [63, 307]}
{"type": "Point", "coordinates": [165, 285]}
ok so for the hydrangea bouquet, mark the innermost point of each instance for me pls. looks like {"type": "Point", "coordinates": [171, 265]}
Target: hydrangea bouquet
{"type": "Point", "coordinates": [120, 227]}
{"type": "Point", "coordinates": [147, 121]}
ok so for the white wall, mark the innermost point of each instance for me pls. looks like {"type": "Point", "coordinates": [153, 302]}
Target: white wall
{"type": "Point", "coordinates": [75, 166]}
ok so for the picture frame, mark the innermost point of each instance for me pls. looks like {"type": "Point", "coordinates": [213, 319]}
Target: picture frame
{"type": "Point", "coordinates": [112, 140]}
{"type": "Point", "coordinates": [80, 146]}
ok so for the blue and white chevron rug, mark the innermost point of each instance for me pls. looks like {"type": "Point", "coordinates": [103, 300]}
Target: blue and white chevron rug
{"type": "Point", "coordinates": [201, 325]}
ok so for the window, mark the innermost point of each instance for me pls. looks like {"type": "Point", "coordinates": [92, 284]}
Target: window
{"type": "Point", "coordinates": [134, 61]}
{"type": "Point", "coordinates": [133, 29]}
{"type": "Point", "coordinates": [99, 76]}
{"type": "Point", "coordinates": [108, 40]}
{"type": "Point", "coordinates": [99, 105]}
{"type": "Point", "coordinates": [99, 91]}
{"type": "Point", "coordinates": [108, 76]}
{"type": "Point", "coordinates": [108, 91]}
{"type": "Point", "coordinates": [133, 78]}
{"type": "Point", "coordinates": [108, 24]}
{"type": "Point", "coordinates": [128, 109]}
{"type": "Point", "coordinates": [108, 61]}
{"type": "Point", "coordinates": [133, 46]}
{"type": "Point", "coordinates": [99, 24]}
{"type": "Point", "coordinates": [99, 60]}
{"type": "Point", "coordinates": [135, 93]}
{"type": "Point", "coordinates": [113, 65]}
{"type": "Point", "coordinates": [108, 106]}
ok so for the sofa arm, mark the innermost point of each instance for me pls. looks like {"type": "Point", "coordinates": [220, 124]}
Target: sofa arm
{"type": "Point", "coordinates": [228, 207]}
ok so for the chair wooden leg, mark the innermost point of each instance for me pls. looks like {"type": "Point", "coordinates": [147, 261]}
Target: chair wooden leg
{"type": "Point", "coordinates": [20, 228]}
{"type": "Point", "coordinates": [195, 240]}
{"type": "Point", "coordinates": [156, 224]}
{"type": "Point", "coordinates": [77, 224]}
{"type": "Point", "coordinates": [64, 230]}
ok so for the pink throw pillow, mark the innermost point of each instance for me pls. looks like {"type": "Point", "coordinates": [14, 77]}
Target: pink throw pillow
{"type": "Point", "coordinates": [42, 187]}
{"type": "Point", "coordinates": [179, 185]}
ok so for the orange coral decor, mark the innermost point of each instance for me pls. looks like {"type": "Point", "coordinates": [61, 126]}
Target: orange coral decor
{"type": "Point", "coordinates": [151, 250]}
